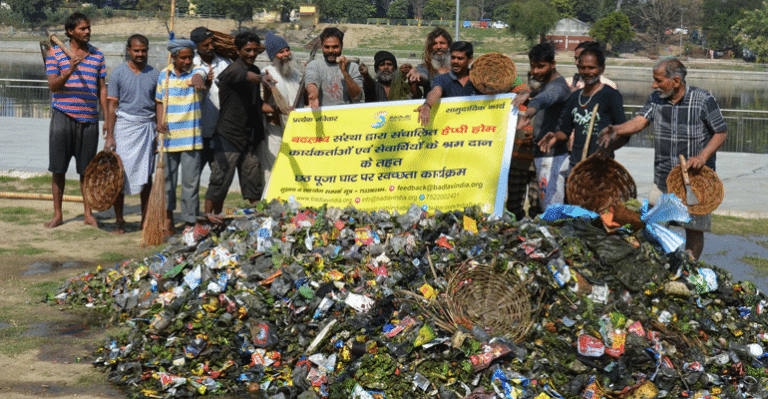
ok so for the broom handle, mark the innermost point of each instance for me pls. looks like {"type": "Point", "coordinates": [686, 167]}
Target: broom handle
{"type": "Point", "coordinates": [589, 132]}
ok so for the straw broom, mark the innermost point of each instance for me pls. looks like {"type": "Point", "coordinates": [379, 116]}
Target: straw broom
{"type": "Point", "coordinates": [153, 232]}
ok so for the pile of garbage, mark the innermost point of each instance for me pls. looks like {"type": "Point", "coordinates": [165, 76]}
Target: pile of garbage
{"type": "Point", "coordinates": [288, 302]}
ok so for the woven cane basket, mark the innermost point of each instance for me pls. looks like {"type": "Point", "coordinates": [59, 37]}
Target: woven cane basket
{"type": "Point", "coordinates": [498, 303]}
{"type": "Point", "coordinates": [103, 180]}
{"type": "Point", "coordinates": [493, 73]}
{"type": "Point", "coordinates": [705, 184]}
{"type": "Point", "coordinates": [224, 45]}
{"type": "Point", "coordinates": [596, 184]}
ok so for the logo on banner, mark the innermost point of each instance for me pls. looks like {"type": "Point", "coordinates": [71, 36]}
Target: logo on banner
{"type": "Point", "coordinates": [381, 119]}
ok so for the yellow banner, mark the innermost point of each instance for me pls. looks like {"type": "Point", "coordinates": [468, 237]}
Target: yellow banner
{"type": "Point", "coordinates": [377, 156]}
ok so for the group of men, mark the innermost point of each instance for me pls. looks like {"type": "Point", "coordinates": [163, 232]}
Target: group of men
{"type": "Point", "coordinates": [210, 110]}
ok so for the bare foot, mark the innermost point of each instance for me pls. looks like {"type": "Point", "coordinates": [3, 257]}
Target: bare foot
{"type": "Point", "coordinates": [119, 227]}
{"type": "Point", "coordinates": [89, 219]}
{"type": "Point", "coordinates": [55, 222]}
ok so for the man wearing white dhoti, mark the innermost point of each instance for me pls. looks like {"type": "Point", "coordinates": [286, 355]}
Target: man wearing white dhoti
{"type": "Point", "coordinates": [288, 82]}
{"type": "Point", "coordinates": [131, 122]}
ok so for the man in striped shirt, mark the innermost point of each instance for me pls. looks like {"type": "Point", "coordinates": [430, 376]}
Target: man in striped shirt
{"type": "Point", "coordinates": [180, 125]}
{"type": "Point", "coordinates": [78, 89]}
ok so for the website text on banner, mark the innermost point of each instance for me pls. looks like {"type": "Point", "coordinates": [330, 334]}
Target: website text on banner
{"type": "Point", "coordinates": [374, 157]}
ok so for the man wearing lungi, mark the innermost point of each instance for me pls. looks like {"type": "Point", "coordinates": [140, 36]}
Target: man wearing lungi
{"type": "Point", "coordinates": [78, 89]}
{"type": "Point", "coordinates": [130, 121]}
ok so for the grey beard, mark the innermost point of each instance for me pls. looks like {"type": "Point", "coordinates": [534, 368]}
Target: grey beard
{"type": "Point", "coordinates": [385, 76]}
{"type": "Point", "coordinates": [283, 66]}
{"type": "Point", "coordinates": [441, 61]}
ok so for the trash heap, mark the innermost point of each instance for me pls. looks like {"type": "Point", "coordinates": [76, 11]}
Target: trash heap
{"type": "Point", "coordinates": [288, 302]}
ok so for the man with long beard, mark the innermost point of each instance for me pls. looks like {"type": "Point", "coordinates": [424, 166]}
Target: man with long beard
{"type": "Point", "coordinates": [437, 59]}
{"type": "Point", "coordinates": [287, 80]}
{"type": "Point", "coordinates": [391, 83]}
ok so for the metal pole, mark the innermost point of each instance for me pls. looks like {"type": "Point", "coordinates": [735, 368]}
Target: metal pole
{"type": "Point", "coordinates": [458, 3]}
{"type": "Point", "coordinates": [682, 10]}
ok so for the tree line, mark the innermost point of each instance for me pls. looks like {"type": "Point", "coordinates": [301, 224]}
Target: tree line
{"type": "Point", "coordinates": [728, 25]}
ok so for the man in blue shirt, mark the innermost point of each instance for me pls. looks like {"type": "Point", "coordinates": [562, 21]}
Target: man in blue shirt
{"type": "Point", "coordinates": [452, 84]}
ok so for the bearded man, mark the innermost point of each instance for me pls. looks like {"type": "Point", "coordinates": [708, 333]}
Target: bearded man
{"type": "Point", "coordinates": [437, 59]}
{"type": "Point", "coordinates": [333, 80]}
{"type": "Point", "coordinates": [391, 83]}
{"type": "Point", "coordinates": [287, 80]}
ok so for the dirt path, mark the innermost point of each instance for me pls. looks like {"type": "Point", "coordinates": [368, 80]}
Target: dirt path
{"type": "Point", "coordinates": [45, 350]}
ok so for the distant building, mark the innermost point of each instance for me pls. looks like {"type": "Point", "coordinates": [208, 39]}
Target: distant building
{"type": "Point", "coordinates": [568, 33]}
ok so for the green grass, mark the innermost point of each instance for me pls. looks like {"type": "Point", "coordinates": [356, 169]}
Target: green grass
{"type": "Point", "coordinates": [22, 215]}
{"type": "Point", "coordinates": [28, 250]}
{"type": "Point", "coordinates": [763, 244]}
{"type": "Point", "coordinates": [41, 289]}
{"type": "Point", "coordinates": [721, 252]}
{"type": "Point", "coordinates": [7, 179]}
{"type": "Point", "coordinates": [755, 261]}
{"type": "Point", "coordinates": [86, 232]}
{"type": "Point", "coordinates": [739, 226]}
{"type": "Point", "coordinates": [112, 257]}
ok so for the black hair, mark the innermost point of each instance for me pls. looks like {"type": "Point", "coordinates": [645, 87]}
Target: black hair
{"type": "Point", "coordinates": [465, 47]}
{"type": "Point", "coordinates": [244, 38]}
{"type": "Point", "coordinates": [73, 20]}
{"type": "Point", "coordinates": [595, 51]}
{"type": "Point", "coordinates": [542, 52]}
{"type": "Point", "coordinates": [332, 31]}
{"type": "Point", "coordinates": [586, 44]}
{"type": "Point", "coordinates": [139, 38]}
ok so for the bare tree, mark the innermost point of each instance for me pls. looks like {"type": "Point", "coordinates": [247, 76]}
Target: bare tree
{"type": "Point", "coordinates": [660, 16]}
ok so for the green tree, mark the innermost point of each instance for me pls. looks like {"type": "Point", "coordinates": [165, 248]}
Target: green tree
{"type": "Point", "coordinates": [32, 12]}
{"type": "Point", "coordinates": [240, 10]}
{"type": "Point", "coordinates": [566, 8]}
{"type": "Point", "coordinates": [399, 9]}
{"type": "Point", "coordinates": [612, 29]}
{"type": "Point", "coordinates": [718, 26]}
{"type": "Point", "coordinates": [210, 7]}
{"type": "Point", "coordinates": [752, 31]}
{"type": "Point", "coordinates": [440, 9]}
{"type": "Point", "coordinates": [531, 19]}
{"type": "Point", "coordinates": [352, 9]}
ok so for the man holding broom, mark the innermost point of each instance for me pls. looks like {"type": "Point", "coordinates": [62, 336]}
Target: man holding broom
{"type": "Point", "coordinates": [130, 124]}
{"type": "Point", "coordinates": [76, 74]}
{"type": "Point", "coordinates": [184, 86]}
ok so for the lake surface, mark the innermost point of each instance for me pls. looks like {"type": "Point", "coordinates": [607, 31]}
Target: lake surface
{"type": "Point", "coordinates": [743, 96]}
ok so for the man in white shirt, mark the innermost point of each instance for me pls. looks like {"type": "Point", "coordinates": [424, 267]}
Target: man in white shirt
{"type": "Point", "coordinates": [287, 80]}
{"type": "Point", "coordinates": [214, 64]}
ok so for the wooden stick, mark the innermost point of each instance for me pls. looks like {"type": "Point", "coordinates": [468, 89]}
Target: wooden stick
{"type": "Point", "coordinates": [10, 195]}
{"type": "Point", "coordinates": [589, 132]}
{"type": "Point", "coordinates": [55, 40]}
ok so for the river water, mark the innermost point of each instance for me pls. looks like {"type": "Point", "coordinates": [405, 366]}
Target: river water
{"type": "Point", "coordinates": [731, 88]}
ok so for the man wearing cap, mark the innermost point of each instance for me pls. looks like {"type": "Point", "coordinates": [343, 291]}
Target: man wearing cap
{"type": "Point", "coordinates": [239, 130]}
{"type": "Point", "coordinates": [78, 89]}
{"type": "Point", "coordinates": [184, 86]}
{"type": "Point", "coordinates": [287, 80]}
{"type": "Point", "coordinates": [214, 64]}
{"type": "Point", "coordinates": [390, 83]}
{"type": "Point", "coordinates": [130, 124]}
{"type": "Point", "coordinates": [333, 80]}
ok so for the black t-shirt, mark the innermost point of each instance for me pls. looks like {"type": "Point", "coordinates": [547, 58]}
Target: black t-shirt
{"type": "Point", "coordinates": [240, 118]}
{"type": "Point", "coordinates": [575, 117]}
